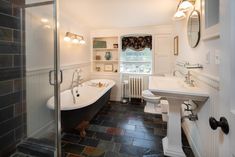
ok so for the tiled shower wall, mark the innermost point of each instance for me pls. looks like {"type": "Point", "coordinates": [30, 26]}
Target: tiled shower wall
{"type": "Point", "coordinates": [12, 78]}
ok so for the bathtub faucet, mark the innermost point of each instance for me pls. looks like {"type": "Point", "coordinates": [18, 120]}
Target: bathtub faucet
{"type": "Point", "coordinates": [76, 81]}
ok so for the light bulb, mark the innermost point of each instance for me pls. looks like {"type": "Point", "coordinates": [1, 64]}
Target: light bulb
{"type": "Point", "coordinates": [185, 6]}
{"type": "Point", "coordinates": [44, 20]}
{"type": "Point", "coordinates": [67, 39]}
{"type": "Point", "coordinates": [179, 15]}
{"type": "Point", "coordinates": [75, 41]}
{"type": "Point", "coordinates": [82, 42]}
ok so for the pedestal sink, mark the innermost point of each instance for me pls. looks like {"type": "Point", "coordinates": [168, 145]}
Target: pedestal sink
{"type": "Point", "coordinates": [176, 92]}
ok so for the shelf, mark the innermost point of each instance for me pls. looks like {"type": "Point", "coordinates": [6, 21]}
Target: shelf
{"type": "Point", "coordinates": [136, 61]}
{"type": "Point", "coordinates": [105, 49]}
{"type": "Point", "coordinates": [105, 73]}
{"type": "Point", "coordinates": [105, 60]}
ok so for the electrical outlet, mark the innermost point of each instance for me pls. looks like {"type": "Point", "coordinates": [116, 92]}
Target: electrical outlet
{"type": "Point", "coordinates": [217, 57]}
{"type": "Point", "coordinates": [208, 57]}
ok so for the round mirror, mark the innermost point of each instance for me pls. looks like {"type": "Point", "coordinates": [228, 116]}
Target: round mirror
{"type": "Point", "coordinates": [194, 28]}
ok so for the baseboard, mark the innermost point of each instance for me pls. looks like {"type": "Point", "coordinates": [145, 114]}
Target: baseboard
{"type": "Point", "coordinates": [190, 140]}
{"type": "Point", "coordinates": [42, 129]}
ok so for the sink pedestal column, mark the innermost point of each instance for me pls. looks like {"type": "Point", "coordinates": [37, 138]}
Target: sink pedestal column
{"type": "Point", "coordinates": [172, 144]}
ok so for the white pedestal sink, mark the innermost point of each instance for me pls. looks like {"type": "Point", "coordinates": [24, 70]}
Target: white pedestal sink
{"type": "Point", "coordinates": [176, 92]}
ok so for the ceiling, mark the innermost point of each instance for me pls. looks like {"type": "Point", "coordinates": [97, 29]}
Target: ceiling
{"type": "Point", "coordinates": [104, 14]}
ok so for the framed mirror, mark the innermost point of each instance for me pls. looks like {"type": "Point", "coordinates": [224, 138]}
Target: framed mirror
{"type": "Point", "coordinates": [193, 30]}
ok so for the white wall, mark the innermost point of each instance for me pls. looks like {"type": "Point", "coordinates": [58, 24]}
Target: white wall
{"type": "Point", "coordinates": [163, 60]}
{"type": "Point", "coordinates": [39, 61]}
{"type": "Point", "coordinates": [203, 140]}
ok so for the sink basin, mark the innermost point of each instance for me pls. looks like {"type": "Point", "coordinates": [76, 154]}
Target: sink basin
{"type": "Point", "coordinates": [176, 92]}
{"type": "Point", "coordinates": [175, 87]}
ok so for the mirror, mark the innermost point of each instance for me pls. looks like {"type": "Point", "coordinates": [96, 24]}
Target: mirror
{"type": "Point", "coordinates": [194, 28]}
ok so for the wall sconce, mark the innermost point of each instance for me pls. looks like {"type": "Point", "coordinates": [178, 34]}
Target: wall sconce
{"type": "Point", "coordinates": [182, 8]}
{"type": "Point", "coordinates": [76, 39]}
{"type": "Point", "coordinates": [185, 6]}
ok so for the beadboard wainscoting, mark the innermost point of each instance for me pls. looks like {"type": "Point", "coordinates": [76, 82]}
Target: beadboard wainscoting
{"type": "Point", "coordinates": [198, 132]}
{"type": "Point", "coordinates": [37, 83]}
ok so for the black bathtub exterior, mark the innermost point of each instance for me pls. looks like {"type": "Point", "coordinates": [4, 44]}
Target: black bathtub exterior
{"type": "Point", "coordinates": [72, 118]}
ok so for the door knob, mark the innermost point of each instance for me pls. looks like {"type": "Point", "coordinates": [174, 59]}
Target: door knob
{"type": "Point", "coordinates": [223, 123]}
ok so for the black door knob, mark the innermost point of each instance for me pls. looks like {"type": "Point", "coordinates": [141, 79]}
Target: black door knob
{"type": "Point", "coordinates": [223, 123]}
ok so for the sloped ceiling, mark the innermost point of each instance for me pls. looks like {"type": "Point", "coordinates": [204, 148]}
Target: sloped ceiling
{"type": "Point", "coordinates": [104, 14]}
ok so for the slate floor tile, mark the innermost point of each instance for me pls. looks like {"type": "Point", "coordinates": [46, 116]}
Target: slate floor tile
{"type": "Point", "coordinates": [97, 128]}
{"type": "Point", "coordinates": [89, 142]}
{"type": "Point", "coordinates": [108, 124]}
{"type": "Point", "coordinates": [144, 129]}
{"type": "Point", "coordinates": [71, 138]}
{"type": "Point", "coordinates": [93, 152]}
{"type": "Point", "coordinates": [103, 136]}
{"type": "Point", "coordinates": [160, 132]}
{"type": "Point", "coordinates": [115, 131]}
{"type": "Point", "coordinates": [73, 148]}
{"type": "Point", "coordinates": [111, 154]}
{"type": "Point", "coordinates": [123, 139]}
{"type": "Point", "coordinates": [74, 155]}
{"type": "Point", "coordinates": [146, 144]}
{"type": "Point", "coordinates": [151, 137]}
{"type": "Point", "coordinates": [131, 150]}
{"type": "Point", "coordinates": [90, 133]}
{"type": "Point", "coordinates": [96, 121]}
{"type": "Point", "coordinates": [106, 145]}
{"type": "Point", "coordinates": [135, 134]}
{"type": "Point", "coordinates": [126, 126]}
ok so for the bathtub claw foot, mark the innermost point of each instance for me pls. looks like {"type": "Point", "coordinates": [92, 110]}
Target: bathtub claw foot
{"type": "Point", "coordinates": [82, 128]}
{"type": "Point", "coordinates": [83, 133]}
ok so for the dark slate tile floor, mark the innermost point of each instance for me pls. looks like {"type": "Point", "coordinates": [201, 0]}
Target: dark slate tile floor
{"type": "Point", "coordinates": [120, 130]}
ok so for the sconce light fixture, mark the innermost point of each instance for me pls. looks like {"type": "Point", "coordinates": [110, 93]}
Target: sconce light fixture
{"type": "Point", "coordinates": [76, 39]}
{"type": "Point", "coordinates": [185, 6]}
{"type": "Point", "coordinates": [67, 37]}
{"type": "Point", "coordinates": [182, 8]}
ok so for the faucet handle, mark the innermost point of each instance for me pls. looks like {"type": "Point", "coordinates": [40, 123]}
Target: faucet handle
{"type": "Point", "coordinates": [186, 79]}
{"type": "Point", "coordinates": [192, 83]}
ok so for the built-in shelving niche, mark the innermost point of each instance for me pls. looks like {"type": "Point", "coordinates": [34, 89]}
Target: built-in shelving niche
{"type": "Point", "coordinates": [100, 64]}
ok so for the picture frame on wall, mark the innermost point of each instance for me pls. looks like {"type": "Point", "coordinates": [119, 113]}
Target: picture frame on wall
{"type": "Point", "coordinates": [108, 67]}
{"type": "Point", "coordinates": [176, 45]}
{"type": "Point", "coordinates": [115, 46]}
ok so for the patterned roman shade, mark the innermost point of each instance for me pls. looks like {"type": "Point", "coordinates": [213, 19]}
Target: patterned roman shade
{"type": "Point", "coordinates": [137, 43]}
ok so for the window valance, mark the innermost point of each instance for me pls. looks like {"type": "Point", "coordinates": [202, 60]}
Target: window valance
{"type": "Point", "coordinates": [137, 43]}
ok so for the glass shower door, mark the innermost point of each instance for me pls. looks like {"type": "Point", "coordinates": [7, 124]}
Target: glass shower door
{"type": "Point", "coordinates": [42, 77]}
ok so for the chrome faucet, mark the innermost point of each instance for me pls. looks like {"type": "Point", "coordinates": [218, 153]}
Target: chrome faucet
{"type": "Point", "coordinates": [189, 80]}
{"type": "Point", "coordinates": [76, 79]}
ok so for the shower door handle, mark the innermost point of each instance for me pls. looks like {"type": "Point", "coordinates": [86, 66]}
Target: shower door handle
{"type": "Point", "coordinates": [50, 76]}
{"type": "Point", "coordinates": [61, 76]}
{"type": "Point", "coordinates": [50, 81]}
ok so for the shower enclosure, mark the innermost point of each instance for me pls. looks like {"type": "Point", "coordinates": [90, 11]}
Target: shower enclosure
{"type": "Point", "coordinates": [35, 72]}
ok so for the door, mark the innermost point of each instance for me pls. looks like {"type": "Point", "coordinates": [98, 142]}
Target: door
{"type": "Point", "coordinates": [227, 77]}
{"type": "Point", "coordinates": [40, 34]}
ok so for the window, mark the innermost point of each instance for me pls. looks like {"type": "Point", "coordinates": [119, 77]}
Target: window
{"type": "Point", "coordinates": [136, 55]}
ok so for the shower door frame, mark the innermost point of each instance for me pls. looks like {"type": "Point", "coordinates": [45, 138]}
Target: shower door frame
{"type": "Point", "coordinates": [56, 70]}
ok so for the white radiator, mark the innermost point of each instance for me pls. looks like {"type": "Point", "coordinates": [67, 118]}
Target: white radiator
{"type": "Point", "coordinates": [136, 85]}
